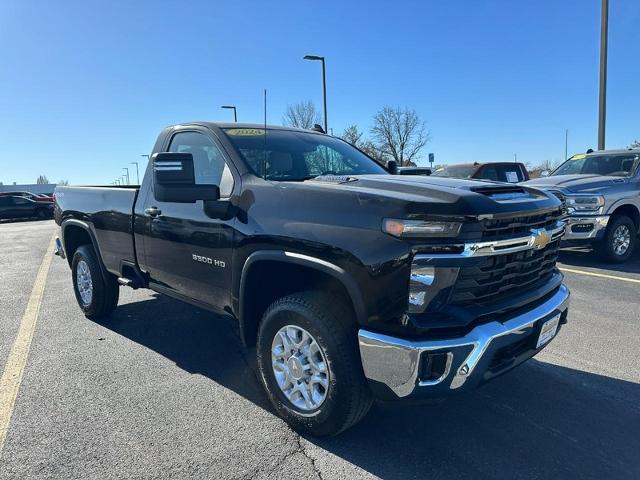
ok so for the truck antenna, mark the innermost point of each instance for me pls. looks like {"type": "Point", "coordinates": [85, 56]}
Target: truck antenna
{"type": "Point", "coordinates": [264, 166]}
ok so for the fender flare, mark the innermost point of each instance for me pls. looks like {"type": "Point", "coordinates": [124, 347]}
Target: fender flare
{"type": "Point", "coordinates": [623, 202]}
{"type": "Point", "coordinates": [94, 242]}
{"type": "Point", "coordinates": [295, 258]}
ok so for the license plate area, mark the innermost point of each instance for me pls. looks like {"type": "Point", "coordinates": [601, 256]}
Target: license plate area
{"type": "Point", "coordinates": [548, 330]}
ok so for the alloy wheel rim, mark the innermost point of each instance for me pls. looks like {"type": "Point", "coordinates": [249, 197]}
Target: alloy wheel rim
{"type": "Point", "coordinates": [621, 239]}
{"type": "Point", "coordinates": [83, 280]}
{"type": "Point", "coordinates": [300, 368]}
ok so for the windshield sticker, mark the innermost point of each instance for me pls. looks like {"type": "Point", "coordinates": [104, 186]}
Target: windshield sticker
{"type": "Point", "coordinates": [512, 177]}
{"type": "Point", "coordinates": [580, 156]}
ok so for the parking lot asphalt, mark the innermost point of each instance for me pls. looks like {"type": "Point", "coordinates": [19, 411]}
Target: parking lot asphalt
{"type": "Point", "coordinates": [164, 390]}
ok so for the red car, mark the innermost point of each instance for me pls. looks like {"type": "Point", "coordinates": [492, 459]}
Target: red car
{"type": "Point", "coordinates": [36, 197]}
{"type": "Point", "coordinates": [509, 172]}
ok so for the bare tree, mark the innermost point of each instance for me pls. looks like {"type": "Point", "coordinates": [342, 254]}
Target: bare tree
{"type": "Point", "coordinates": [535, 171]}
{"type": "Point", "coordinates": [356, 138]}
{"type": "Point", "coordinates": [63, 183]}
{"type": "Point", "coordinates": [374, 152]}
{"type": "Point", "coordinates": [301, 115]}
{"type": "Point", "coordinates": [399, 134]}
{"type": "Point", "coordinates": [635, 144]}
{"type": "Point", "coordinates": [42, 180]}
{"type": "Point", "coordinates": [352, 135]}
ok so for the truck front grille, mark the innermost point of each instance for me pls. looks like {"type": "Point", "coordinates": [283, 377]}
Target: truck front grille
{"type": "Point", "coordinates": [560, 196]}
{"type": "Point", "coordinates": [519, 226]}
{"type": "Point", "coordinates": [503, 275]}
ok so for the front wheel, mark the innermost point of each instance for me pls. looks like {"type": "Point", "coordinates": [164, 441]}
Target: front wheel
{"type": "Point", "coordinates": [310, 365]}
{"type": "Point", "coordinates": [619, 240]}
{"type": "Point", "coordinates": [96, 295]}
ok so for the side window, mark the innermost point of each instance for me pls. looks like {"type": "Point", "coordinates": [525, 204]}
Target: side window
{"type": "Point", "coordinates": [5, 201]}
{"type": "Point", "coordinates": [20, 201]}
{"type": "Point", "coordinates": [489, 173]}
{"type": "Point", "coordinates": [208, 161]}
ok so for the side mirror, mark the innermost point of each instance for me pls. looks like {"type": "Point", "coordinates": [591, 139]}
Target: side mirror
{"type": "Point", "coordinates": [545, 173]}
{"type": "Point", "coordinates": [174, 180]}
{"type": "Point", "coordinates": [392, 166]}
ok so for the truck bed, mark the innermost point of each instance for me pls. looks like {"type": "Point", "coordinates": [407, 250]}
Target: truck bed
{"type": "Point", "coordinates": [108, 211]}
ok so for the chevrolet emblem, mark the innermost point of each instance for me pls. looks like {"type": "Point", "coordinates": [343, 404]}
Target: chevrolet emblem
{"type": "Point", "coordinates": [541, 238]}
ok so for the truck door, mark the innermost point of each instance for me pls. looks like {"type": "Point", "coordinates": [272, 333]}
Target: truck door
{"type": "Point", "coordinates": [185, 251]}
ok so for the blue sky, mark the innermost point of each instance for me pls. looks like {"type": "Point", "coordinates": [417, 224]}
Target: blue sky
{"type": "Point", "coordinates": [85, 86]}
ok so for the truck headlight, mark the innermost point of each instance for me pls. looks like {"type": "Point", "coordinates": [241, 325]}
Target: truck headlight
{"type": "Point", "coordinates": [421, 279]}
{"type": "Point", "coordinates": [420, 228]}
{"type": "Point", "coordinates": [584, 203]}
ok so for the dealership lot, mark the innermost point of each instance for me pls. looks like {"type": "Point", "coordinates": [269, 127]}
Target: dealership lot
{"type": "Point", "coordinates": [163, 389]}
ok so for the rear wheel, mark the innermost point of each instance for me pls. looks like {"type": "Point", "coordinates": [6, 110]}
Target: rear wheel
{"type": "Point", "coordinates": [96, 295]}
{"type": "Point", "coordinates": [310, 365]}
{"type": "Point", "coordinates": [619, 240]}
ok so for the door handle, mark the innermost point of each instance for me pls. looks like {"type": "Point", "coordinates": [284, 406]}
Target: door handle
{"type": "Point", "coordinates": [153, 211]}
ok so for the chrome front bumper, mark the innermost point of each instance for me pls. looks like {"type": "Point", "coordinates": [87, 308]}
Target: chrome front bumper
{"type": "Point", "coordinates": [585, 228]}
{"type": "Point", "coordinates": [396, 362]}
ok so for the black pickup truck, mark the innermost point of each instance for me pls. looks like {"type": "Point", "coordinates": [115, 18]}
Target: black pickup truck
{"type": "Point", "coordinates": [350, 283]}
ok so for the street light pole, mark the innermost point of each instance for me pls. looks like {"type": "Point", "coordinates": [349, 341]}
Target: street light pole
{"type": "Point", "coordinates": [137, 172]}
{"type": "Point", "coordinates": [235, 112]}
{"type": "Point", "coordinates": [324, 87]}
{"type": "Point", "coordinates": [602, 100]}
{"type": "Point", "coordinates": [127, 170]}
{"type": "Point", "coordinates": [566, 143]}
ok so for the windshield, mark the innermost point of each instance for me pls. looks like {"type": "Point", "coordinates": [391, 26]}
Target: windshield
{"type": "Point", "coordinates": [453, 171]}
{"type": "Point", "coordinates": [613, 165]}
{"type": "Point", "coordinates": [294, 156]}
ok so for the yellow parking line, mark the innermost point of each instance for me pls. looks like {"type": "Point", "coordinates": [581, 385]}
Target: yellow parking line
{"type": "Point", "coordinates": [601, 275]}
{"type": "Point", "coordinates": [13, 370]}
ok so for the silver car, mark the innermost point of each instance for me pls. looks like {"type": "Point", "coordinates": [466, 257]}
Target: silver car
{"type": "Point", "coordinates": [601, 191]}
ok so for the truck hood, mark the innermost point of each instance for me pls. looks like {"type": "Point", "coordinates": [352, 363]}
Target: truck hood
{"type": "Point", "coordinates": [433, 195]}
{"type": "Point", "coordinates": [576, 183]}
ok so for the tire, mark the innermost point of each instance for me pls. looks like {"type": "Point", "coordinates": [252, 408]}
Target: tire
{"type": "Point", "coordinates": [610, 248]}
{"type": "Point", "coordinates": [96, 296]}
{"type": "Point", "coordinates": [330, 323]}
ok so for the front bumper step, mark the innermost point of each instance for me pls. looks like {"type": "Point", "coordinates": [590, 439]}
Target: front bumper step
{"type": "Point", "coordinates": [585, 227]}
{"type": "Point", "coordinates": [396, 362]}
{"type": "Point", "coordinates": [58, 249]}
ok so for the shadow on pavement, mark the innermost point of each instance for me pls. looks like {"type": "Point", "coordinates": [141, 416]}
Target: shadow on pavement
{"type": "Point", "coordinates": [539, 421]}
{"type": "Point", "coordinates": [586, 257]}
